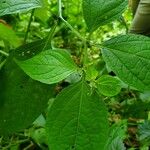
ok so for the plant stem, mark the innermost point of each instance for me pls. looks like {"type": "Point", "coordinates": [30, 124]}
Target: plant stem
{"type": "Point", "coordinates": [124, 23]}
{"type": "Point", "coordinates": [29, 146]}
{"type": "Point", "coordinates": [7, 46]}
{"type": "Point", "coordinates": [29, 24]}
{"type": "Point", "coordinates": [85, 55]}
{"type": "Point", "coordinates": [4, 53]}
{"type": "Point", "coordinates": [66, 23]}
{"type": "Point", "coordinates": [50, 35]}
{"type": "Point", "coordinates": [2, 64]}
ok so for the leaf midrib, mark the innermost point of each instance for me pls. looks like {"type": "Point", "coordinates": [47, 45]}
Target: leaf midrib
{"type": "Point", "coordinates": [110, 50]}
{"type": "Point", "coordinates": [79, 113]}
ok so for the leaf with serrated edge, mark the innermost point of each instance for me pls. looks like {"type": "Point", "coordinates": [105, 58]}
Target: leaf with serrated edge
{"type": "Point", "coordinates": [129, 57]}
{"type": "Point", "coordinates": [17, 6]}
{"type": "Point", "coordinates": [77, 120]}
{"type": "Point", "coordinates": [101, 12]}
{"type": "Point", "coordinates": [49, 66]}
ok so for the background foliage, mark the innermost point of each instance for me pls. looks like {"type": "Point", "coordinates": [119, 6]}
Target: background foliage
{"type": "Point", "coordinates": [83, 100]}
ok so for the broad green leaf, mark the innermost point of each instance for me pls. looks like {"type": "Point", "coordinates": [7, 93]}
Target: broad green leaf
{"type": "Point", "coordinates": [17, 6]}
{"type": "Point", "coordinates": [101, 12]}
{"type": "Point", "coordinates": [22, 99]}
{"type": "Point", "coordinates": [116, 144]}
{"type": "Point", "coordinates": [145, 96]}
{"type": "Point", "coordinates": [77, 120]}
{"type": "Point", "coordinates": [7, 34]}
{"type": "Point", "coordinates": [117, 134]}
{"type": "Point", "coordinates": [144, 132]}
{"type": "Point", "coordinates": [49, 66]}
{"type": "Point", "coordinates": [108, 85]}
{"type": "Point", "coordinates": [29, 50]}
{"type": "Point", "coordinates": [39, 136]}
{"type": "Point", "coordinates": [129, 57]}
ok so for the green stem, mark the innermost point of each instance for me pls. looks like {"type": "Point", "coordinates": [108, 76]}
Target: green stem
{"type": "Point", "coordinates": [124, 23]}
{"type": "Point", "coordinates": [7, 46]}
{"type": "Point", "coordinates": [4, 53]}
{"type": "Point", "coordinates": [29, 24]}
{"type": "Point", "coordinates": [50, 35]}
{"type": "Point", "coordinates": [2, 64]}
{"type": "Point", "coordinates": [85, 55]}
{"type": "Point", "coordinates": [29, 146]}
{"type": "Point", "coordinates": [66, 23]}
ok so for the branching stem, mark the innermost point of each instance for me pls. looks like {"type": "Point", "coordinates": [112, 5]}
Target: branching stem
{"type": "Point", "coordinates": [85, 56]}
{"type": "Point", "coordinates": [29, 24]}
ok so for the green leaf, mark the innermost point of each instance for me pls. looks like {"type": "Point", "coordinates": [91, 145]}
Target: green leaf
{"type": "Point", "coordinates": [29, 50]}
{"type": "Point", "coordinates": [7, 34]}
{"type": "Point", "coordinates": [17, 6]}
{"type": "Point", "coordinates": [43, 12]}
{"type": "Point", "coordinates": [39, 136]}
{"type": "Point", "coordinates": [129, 57]}
{"type": "Point", "coordinates": [100, 12]}
{"type": "Point", "coordinates": [22, 99]}
{"type": "Point", "coordinates": [49, 66]}
{"type": "Point", "coordinates": [77, 120]}
{"type": "Point", "coordinates": [117, 134]}
{"type": "Point", "coordinates": [137, 109]}
{"type": "Point", "coordinates": [91, 73]}
{"type": "Point", "coordinates": [144, 132]}
{"type": "Point", "coordinates": [116, 144]}
{"type": "Point", "coordinates": [108, 85]}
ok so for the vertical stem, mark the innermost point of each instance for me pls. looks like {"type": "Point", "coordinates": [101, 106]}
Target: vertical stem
{"type": "Point", "coordinates": [29, 24]}
{"type": "Point", "coordinates": [4, 53]}
{"type": "Point", "coordinates": [2, 64]}
{"type": "Point", "coordinates": [124, 23]}
{"type": "Point", "coordinates": [50, 35]}
{"type": "Point", "coordinates": [85, 55]}
{"type": "Point", "coordinates": [59, 8]}
{"type": "Point", "coordinates": [66, 23]}
{"type": "Point", "coordinates": [7, 46]}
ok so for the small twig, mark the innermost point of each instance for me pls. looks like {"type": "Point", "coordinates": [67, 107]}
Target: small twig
{"type": "Point", "coordinates": [29, 146]}
{"type": "Point", "coordinates": [16, 143]}
{"type": "Point", "coordinates": [4, 53]}
{"type": "Point", "coordinates": [50, 35]}
{"type": "Point", "coordinates": [29, 24]}
{"type": "Point", "coordinates": [124, 23]}
{"type": "Point", "coordinates": [7, 46]}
